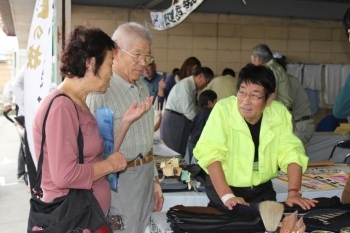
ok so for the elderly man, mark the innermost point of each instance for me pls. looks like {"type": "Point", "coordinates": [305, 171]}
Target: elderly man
{"type": "Point", "coordinates": [302, 115]}
{"type": "Point", "coordinates": [139, 191]}
{"type": "Point", "coordinates": [245, 142]}
{"type": "Point", "coordinates": [262, 55]}
{"type": "Point", "coordinates": [180, 109]}
{"type": "Point", "coordinates": [151, 78]}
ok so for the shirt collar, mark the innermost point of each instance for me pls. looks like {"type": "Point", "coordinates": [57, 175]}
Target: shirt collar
{"type": "Point", "coordinates": [150, 80]}
{"type": "Point", "coordinates": [124, 84]}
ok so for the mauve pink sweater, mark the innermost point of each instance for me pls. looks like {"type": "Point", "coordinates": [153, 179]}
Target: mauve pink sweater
{"type": "Point", "coordinates": [61, 171]}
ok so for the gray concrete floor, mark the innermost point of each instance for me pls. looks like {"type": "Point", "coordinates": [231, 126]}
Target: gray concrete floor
{"type": "Point", "coordinates": [14, 198]}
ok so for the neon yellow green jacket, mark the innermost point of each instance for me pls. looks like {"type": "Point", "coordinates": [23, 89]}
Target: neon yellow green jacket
{"type": "Point", "coordinates": [226, 138]}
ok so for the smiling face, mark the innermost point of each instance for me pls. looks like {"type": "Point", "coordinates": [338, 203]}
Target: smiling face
{"type": "Point", "coordinates": [126, 66]}
{"type": "Point", "coordinates": [251, 110]}
{"type": "Point", "coordinates": [104, 73]}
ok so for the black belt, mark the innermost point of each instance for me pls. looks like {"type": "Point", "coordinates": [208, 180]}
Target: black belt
{"type": "Point", "coordinates": [304, 118]}
{"type": "Point", "coordinates": [172, 111]}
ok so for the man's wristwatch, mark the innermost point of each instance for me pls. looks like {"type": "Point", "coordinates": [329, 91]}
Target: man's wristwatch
{"type": "Point", "coordinates": [295, 190]}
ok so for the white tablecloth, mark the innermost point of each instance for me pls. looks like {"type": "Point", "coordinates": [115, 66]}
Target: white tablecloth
{"type": "Point", "coordinates": [189, 198]}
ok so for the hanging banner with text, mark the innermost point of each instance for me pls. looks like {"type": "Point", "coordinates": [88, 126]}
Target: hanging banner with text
{"type": "Point", "coordinates": [174, 15]}
{"type": "Point", "coordinates": [37, 78]}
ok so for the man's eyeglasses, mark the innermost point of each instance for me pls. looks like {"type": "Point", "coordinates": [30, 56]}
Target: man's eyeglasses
{"type": "Point", "coordinates": [140, 57]}
{"type": "Point", "coordinates": [252, 97]}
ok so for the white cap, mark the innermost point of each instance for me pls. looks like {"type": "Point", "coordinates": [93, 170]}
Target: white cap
{"type": "Point", "coordinates": [277, 55]}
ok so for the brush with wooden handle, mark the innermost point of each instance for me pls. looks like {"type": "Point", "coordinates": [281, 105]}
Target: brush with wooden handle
{"type": "Point", "coordinates": [271, 214]}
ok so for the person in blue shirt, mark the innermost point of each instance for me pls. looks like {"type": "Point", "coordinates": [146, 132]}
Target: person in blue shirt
{"type": "Point", "coordinates": [170, 81]}
{"type": "Point", "coordinates": [207, 100]}
{"type": "Point", "coordinates": [341, 108]}
{"type": "Point", "coordinates": [151, 78]}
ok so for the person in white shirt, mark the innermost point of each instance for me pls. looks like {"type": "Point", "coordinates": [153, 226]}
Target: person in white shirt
{"type": "Point", "coordinates": [180, 109]}
{"type": "Point", "coordinates": [18, 89]}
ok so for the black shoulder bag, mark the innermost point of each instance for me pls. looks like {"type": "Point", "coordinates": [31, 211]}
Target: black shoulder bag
{"type": "Point", "coordinates": [75, 212]}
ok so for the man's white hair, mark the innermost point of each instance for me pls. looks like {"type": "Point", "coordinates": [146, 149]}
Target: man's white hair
{"type": "Point", "coordinates": [126, 33]}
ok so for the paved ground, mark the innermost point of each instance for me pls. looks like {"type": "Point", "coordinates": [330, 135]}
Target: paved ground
{"type": "Point", "coordinates": [14, 198]}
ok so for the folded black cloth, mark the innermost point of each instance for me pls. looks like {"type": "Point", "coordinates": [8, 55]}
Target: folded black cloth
{"type": "Point", "coordinates": [323, 203]}
{"type": "Point", "coordinates": [331, 219]}
{"type": "Point", "coordinates": [329, 214]}
{"type": "Point", "coordinates": [210, 219]}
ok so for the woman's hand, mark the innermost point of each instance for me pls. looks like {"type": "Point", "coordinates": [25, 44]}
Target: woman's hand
{"type": "Point", "coordinates": [117, 161]}
{"type": "Point", "coordinates": [136, 111]}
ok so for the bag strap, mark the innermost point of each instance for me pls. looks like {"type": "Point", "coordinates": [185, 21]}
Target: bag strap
{"type": "Point", "coordinates": [37, 191]}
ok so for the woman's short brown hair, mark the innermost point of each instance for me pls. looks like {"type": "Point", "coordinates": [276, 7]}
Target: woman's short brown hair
{"type": "Point", "coordinates": [84, 43]}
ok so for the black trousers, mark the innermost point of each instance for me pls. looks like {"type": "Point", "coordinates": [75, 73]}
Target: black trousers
{"type": "Point", "coordinates": [258, 193]}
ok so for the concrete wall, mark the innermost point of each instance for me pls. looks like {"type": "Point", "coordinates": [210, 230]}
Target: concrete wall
{"type": "Point", "coordinates": [220, 41]}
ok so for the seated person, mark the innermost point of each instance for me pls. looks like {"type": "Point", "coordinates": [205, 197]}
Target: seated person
{"type": "Point", "coordinates": [245, 142]}
{"type": "Point", "coordinates": [329, 123]}
{"type": "Point", "coordinates": [342, 103]}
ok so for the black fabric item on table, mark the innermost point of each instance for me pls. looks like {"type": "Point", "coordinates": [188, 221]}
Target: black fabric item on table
{"type": "Point", "coordinates": [199, 219]}
{"type": "Point", "coordinates": [247, 218]}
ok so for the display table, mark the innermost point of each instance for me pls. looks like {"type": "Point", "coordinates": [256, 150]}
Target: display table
{"type": "Point", "coordinates": [192, 198]}
{"type": "Point", "coordinates": [327, 184]}
{"type": "Point", "coordinates": [321, 144]}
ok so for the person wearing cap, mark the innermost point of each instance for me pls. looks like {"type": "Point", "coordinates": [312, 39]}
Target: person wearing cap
{"type": "Point", "coordinates": [151, 78]}
{"type": "Point", "coordinates": [262, 55]}
{"type": "Point", "coordinates": [304, 125]}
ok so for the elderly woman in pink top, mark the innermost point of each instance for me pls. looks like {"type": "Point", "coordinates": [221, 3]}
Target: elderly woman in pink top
{"type": "Point", "coordinates": [87, 68]}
